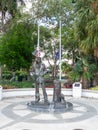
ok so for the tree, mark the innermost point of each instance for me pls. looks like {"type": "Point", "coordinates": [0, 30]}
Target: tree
{"type": "Point", "coordinates": [52, 12]}
{"type": "Point", "coordinates": [16, 50]}
{"type": "Point", "coordinates": [68, 37]}
{"type": "Point", "coordinates": [8, 10]}
{"type": "Point", "coordinates": [86, 35]}
{"type": "Point", "coordinates": [86, 25]}
{"type": "Point", "coordinates": [18, 43]}
{"type": "Point", "coordinates": [9, 7]}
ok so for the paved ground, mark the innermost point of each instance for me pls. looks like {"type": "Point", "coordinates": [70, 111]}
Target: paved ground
{"type": "Point", "coordinates": [15, 115]}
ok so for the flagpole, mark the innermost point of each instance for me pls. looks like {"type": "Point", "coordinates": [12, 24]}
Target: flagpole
{"type": "Point", "coordinates": [60, 51]}
{"type": "Point", "coordinates": [38, 44]}
{"type": "Point", "coordinates": [38, 41]}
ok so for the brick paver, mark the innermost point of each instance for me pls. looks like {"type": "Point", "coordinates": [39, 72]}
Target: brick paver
{"type": "Point", "coordinates": [15, 115]}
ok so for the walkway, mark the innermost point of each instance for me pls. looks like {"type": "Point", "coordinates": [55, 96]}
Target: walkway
{"type": "Point", "coordinates": [15, 115]}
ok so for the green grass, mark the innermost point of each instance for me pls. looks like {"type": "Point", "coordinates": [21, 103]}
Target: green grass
{"type": "Point", "coordinates": [94, 88]}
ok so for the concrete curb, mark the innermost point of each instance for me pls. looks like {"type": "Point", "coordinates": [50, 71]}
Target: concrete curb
{"type": "Point", "coordinates": [9, 93]}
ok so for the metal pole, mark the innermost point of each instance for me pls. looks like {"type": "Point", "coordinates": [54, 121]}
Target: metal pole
{"type": "Point", "coordinates": [60, 51]}
{"type": "Point", "coordinates": [38, 44]}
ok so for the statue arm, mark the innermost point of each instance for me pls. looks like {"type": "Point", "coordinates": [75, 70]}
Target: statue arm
{"type": "Point", "coordinates": [33, 69]}
{"type": "Point", "coordinates": [44, 69]}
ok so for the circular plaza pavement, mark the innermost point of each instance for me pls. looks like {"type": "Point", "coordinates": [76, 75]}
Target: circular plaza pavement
{"type": "Point", "coordinates": [15, 115]}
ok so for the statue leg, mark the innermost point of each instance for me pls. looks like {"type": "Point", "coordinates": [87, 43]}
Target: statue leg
{"type": "Point", "coordinates": [37, 95]}
{"type": "Point", "coordinates": [57, 91]}
{"type": "Point", "coordinates": [44, 92]}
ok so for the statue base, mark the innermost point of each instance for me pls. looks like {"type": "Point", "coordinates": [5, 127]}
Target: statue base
{"type": "Point", "coordinates": [50, 106]}
{"type": "Point", "coordinates": [58, 103]}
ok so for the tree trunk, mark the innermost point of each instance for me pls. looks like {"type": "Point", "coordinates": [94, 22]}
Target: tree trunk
{"type": "Point", "coordinates": [95, 6]}
{"type": "Point", "coordinates": [96, 80]}
{"type": "Point", "coordinates": [85, 83]}
{"type": "Point", "coordinates": [73, 57]}
{"type": "Point", "coordinates": [28, 75]}
{"type": "Point", "coordinates": [13, 77]}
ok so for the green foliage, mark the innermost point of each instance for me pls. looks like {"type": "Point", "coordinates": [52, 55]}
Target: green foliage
{"type": "Point", "coordinates": [10, 6]}
{"type": "Point", "coordinates": [21, 72]}
{"type": "Point", "coordinates": [45, 35]}
{"type": "Point", "coordinates": [15, 84]}
{"type": "Point", "coordinates": [16, 49]}
{"type": "Point", "coordinates": [66, 68]}
{"type": "Point", "coordinates": [86, 25]}
{"type": "Point", "coordinates": [7, 75]}
{"type": "Point", "coordinates": [77, 71]}
{"type": "Point", "coordinates": [74, 76]}
{"type": "Point", "coordinates": [83, 68]}
{"type": "Point", "coordinates": [51, 10]}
